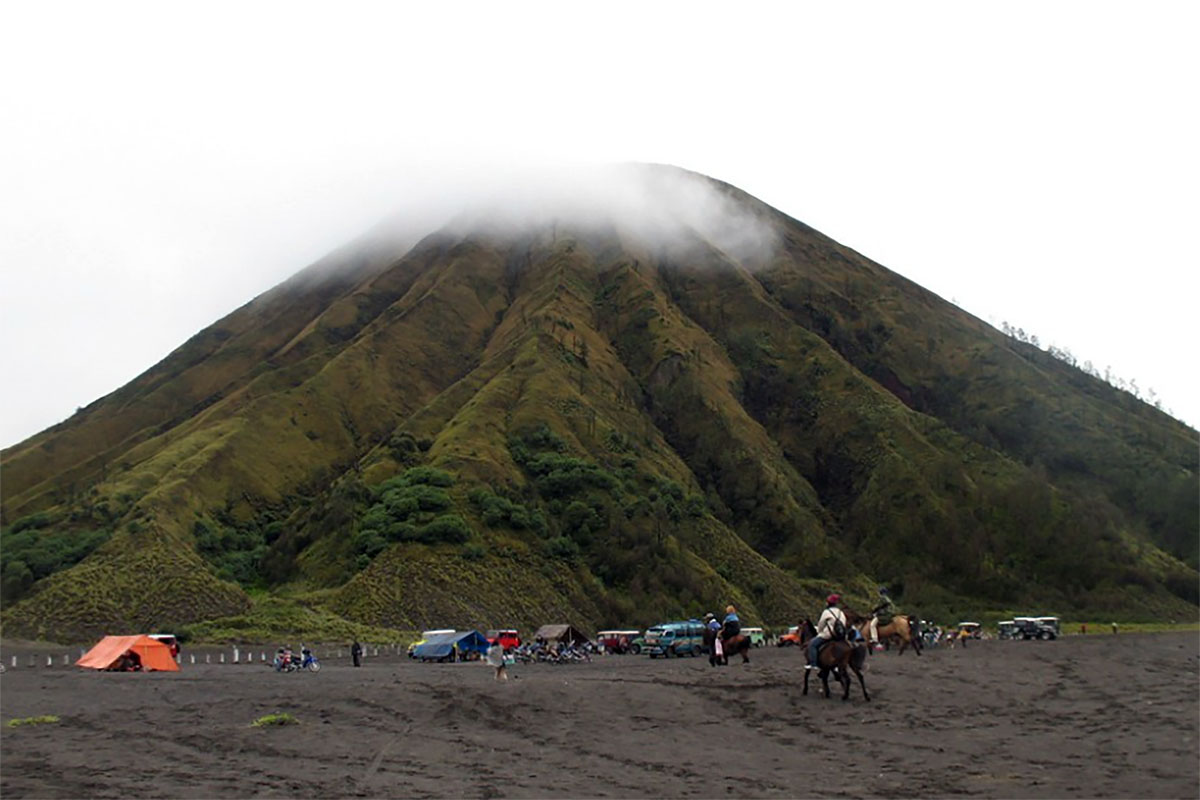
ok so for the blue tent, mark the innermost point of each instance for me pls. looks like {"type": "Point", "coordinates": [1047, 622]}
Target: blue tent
{"type": "Point", "coordinates": [441, 646]}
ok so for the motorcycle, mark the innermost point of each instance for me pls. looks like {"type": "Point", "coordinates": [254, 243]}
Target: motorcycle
{"type": "Point", "coordinates": [307, 660]}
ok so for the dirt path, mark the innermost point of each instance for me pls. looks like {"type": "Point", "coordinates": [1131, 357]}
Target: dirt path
{"type": "Point", "coordinates": [1080, 717]}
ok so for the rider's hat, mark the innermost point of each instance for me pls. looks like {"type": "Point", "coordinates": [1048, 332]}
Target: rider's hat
{"type": "Point", "coordinates": [730, 609]}
{"type": "Point", "coordinates": [833, 599]}
{"type": "Point", "coordinates": [710, 615]}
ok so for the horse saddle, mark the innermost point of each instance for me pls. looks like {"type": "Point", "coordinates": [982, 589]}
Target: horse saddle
{"type": "Point", "coordinates": [824, 643]}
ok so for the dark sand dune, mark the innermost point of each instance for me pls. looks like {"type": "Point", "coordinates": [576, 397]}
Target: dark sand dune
{"type": "Point", "coordinates": [1098, 716]}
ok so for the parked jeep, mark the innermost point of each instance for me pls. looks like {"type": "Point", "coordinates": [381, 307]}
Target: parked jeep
{"type": "Point", "coordinates": [1044, 628]}
{"type": "Point", "coordinates": [757, 636]}
{"type": "Point", "coordinates": [509, 638]}
{"type": "Point", "coordinates": [620, 642]}
{"type": "Point", "coordinates": [791, 638]}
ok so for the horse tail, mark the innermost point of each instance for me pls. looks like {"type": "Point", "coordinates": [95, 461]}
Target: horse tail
{"type": "Point", "coordinates": [914, 631]}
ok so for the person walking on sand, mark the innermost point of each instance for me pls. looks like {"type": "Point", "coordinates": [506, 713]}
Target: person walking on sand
{"type": "Point", "coordinates": [356, 652]}
{"type": "Point", "coordinates": [495, 658]}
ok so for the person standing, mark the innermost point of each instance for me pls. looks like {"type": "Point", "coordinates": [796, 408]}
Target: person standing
{"type": "Point", "coordinates": [716, 654]}
{"type": "Point", "coordinates": [495, 658]}
{"type": "Point", "coordinates": [356, 652]}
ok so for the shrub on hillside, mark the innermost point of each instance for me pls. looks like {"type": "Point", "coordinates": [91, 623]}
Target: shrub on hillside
{"type": "Point", "coordinates": [497, 511]}
{"type": "Point", "coordinates": [446, 528]}
{"type": "Point", "coordinates": [428, 476]}
{"type": "Point", "coordinates": [562, 476]}
{"type": "Point", "coordinates": [38, 520]}
{"type": "Point", "coordinates": [29, 553]}
{"type": "Point", "coordinates": [236, 550]}
{"type": "Point", "coordinates": [562, 548]}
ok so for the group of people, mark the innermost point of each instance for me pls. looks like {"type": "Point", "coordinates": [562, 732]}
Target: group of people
{"type": "Point", "coordinates": [720, 633]}
{"type": "Point", "coordinates": [728, 628]}
{"type": "Point", "coordinates": [129, 661]}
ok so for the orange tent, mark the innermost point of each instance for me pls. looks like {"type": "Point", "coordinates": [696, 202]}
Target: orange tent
{"type": "Point", "coordinates": [108, 651]}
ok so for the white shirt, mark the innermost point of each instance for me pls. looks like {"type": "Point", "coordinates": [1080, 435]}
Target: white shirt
{"type": "Point", "coordinates": [825, 623]}
{"type": "Point", "coordinates": [495, 655]}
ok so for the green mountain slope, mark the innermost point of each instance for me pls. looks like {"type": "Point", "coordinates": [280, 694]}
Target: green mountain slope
{"type": "Point", "coordinates": [585, 419]}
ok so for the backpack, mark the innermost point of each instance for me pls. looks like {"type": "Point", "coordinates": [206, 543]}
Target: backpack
{"type": "Point", "coordinates": [839, 630]}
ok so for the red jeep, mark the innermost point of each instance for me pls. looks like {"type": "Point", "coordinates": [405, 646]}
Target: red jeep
{"type": "Point", "coordinates": [508, 639]}
{"type": "Point", "coordinates": [618, 642]}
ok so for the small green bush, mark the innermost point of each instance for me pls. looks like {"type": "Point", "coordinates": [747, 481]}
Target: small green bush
{"type": "Point", "coordinates": [33, 521]}
{"type": "Point", "coordinates": [497, 511]}
{"type": "Point", "coordinates": [42, 720]}
{"type": "Point", "coordinates": [561, 547]}
{"type": "Point", "coordinates": [428, 476]}
{"type": "Point", "coordinates": [274, 719]}
{"type": "Point", "coordinates": [446, 528]}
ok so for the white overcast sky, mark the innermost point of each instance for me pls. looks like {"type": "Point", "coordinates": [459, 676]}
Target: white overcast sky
{"type": "Point", "coordinates": [163, 163]}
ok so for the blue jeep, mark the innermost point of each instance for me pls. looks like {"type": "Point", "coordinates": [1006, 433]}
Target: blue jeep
{"type": "Point", "coordinates": [675, 639]}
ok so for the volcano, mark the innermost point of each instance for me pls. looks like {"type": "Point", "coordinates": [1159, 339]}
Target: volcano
{"type": "Point", "coordinates": [603, 406]}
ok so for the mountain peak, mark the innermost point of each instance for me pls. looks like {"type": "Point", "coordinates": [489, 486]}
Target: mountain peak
{"type": "Point", "coordinates": [602, 395]}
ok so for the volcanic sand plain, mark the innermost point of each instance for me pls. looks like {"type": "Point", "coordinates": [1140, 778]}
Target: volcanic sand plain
{"type": "Point", "coordinates": [1084, 716]}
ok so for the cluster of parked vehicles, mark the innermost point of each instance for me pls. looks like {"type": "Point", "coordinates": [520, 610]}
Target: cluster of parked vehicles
{"type": "Point", "coordinates": [665, 640]}
{"type": "Point", "coordinates": [686, 638]}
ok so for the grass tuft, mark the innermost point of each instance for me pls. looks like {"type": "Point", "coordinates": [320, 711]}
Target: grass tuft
{"type": "Point", "coordinates": [274, 719]}
{"type": "Point", "coordinates": [42, 720]}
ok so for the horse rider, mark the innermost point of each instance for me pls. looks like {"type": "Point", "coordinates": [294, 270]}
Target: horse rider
{"type": "Point", "coordinates": [732, 625]}
{"type": "Point", "coordinates": [825, 627]}
{"type": "Point", "coordinates": [881, 615]}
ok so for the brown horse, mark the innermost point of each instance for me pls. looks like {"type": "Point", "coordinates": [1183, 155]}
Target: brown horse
{"type": "Point", "coordinates": [738, 645]}
{"type": "Point", "coordinates": [902, 627]}
{"type": "Point", "coordinates": [837, 656]}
